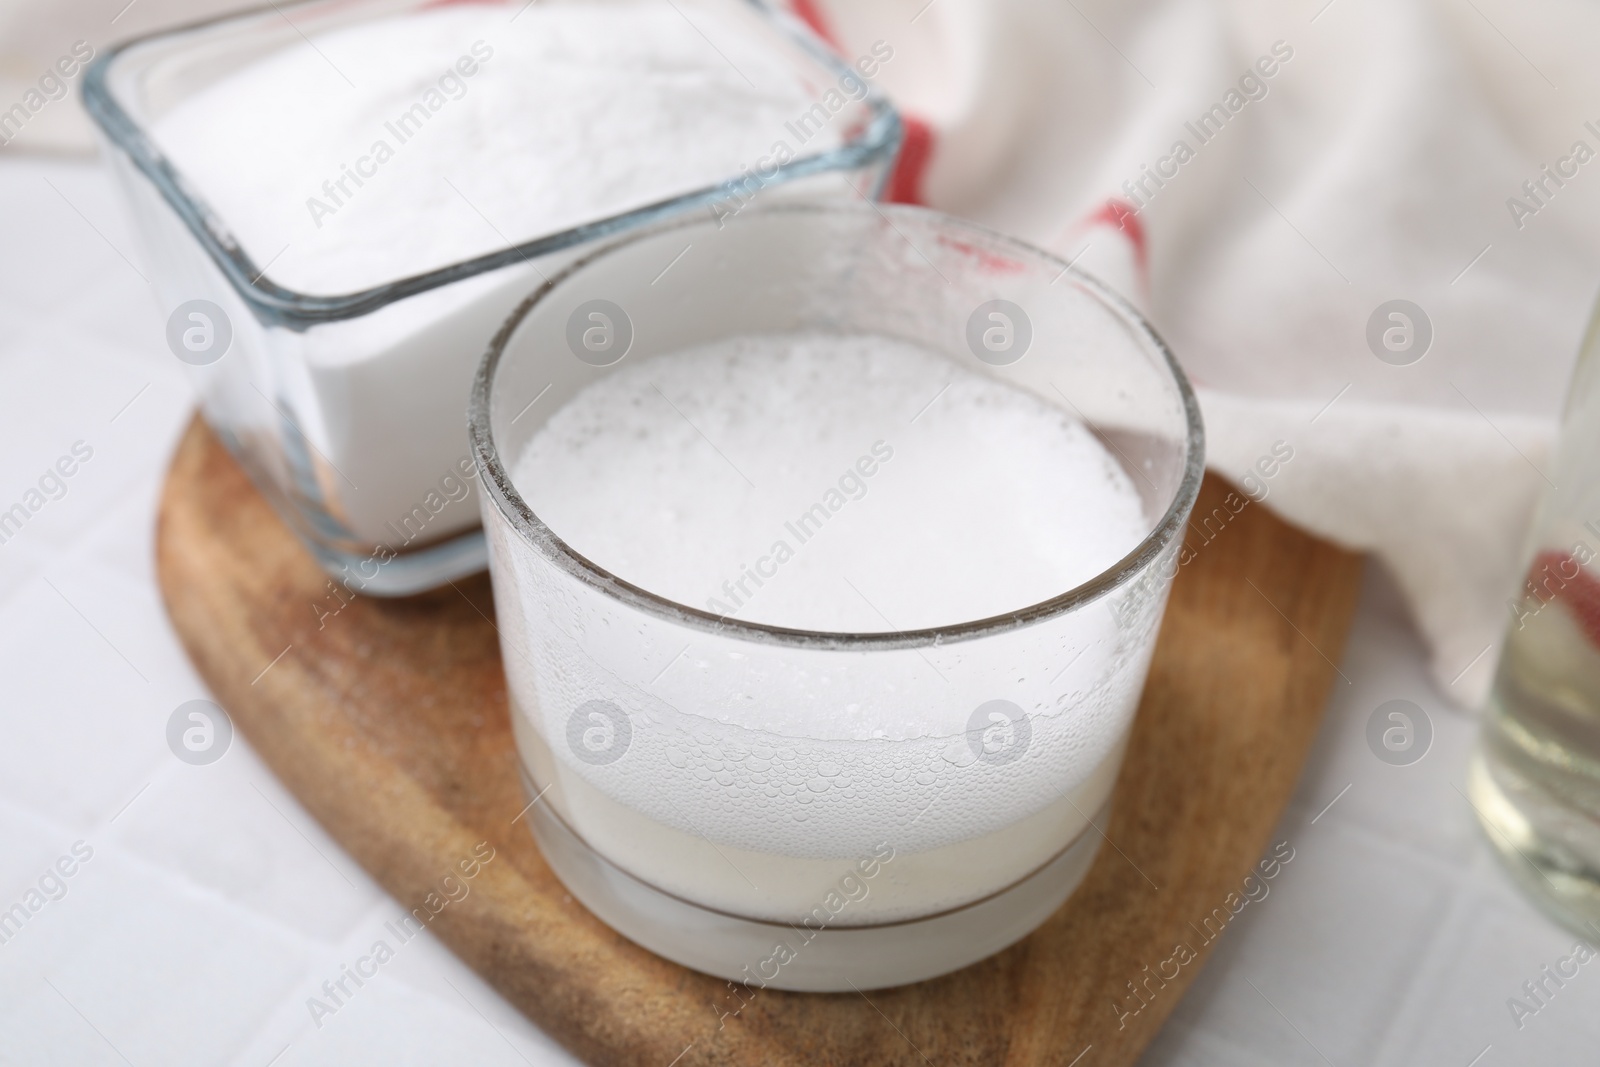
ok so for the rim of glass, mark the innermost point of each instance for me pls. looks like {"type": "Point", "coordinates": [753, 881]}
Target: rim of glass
{"type": "Point", "coordinates": [877, 143]}
{"type": "Point", "coordinates": [549, 544]}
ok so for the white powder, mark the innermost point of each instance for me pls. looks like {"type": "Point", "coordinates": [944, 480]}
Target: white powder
{"type": "Point", "coordinates": [573, 112]}
{"type": "Point", "coordinates": [369, 154]}
{"type": "Point", "coordinates": [756, 765]}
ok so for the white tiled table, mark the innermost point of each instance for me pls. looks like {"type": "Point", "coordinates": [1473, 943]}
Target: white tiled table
{"type": "Point", "coordinates": [213, 906]}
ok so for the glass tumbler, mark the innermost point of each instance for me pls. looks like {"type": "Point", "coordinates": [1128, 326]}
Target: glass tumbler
{"type": "Point", "coordinates": [1535, 779]}
{"type": "Point", "coordinates": [787, 850]}
{"type": "Point", "coordinates": [346, 407]}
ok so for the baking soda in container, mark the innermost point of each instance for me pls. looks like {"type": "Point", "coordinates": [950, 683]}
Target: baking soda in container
{"type": "Point", "coordinates": [348, 198]}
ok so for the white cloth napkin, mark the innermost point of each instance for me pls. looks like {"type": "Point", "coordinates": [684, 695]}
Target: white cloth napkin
{"type": "Point", "coordinates": [1382, 158]}
{"type": "Point", "coordinates": [1361, 151]}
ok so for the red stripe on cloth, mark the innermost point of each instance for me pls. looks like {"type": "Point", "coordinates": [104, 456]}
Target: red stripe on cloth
{"type": "Point", "coordinates": [905, 182]}
{"type": "Point", "coordinates": [1580, 594]}
{"type": "Point", "coordinates": [811, 14]}
{"type": "Point", "coordinates": [1117, 213]}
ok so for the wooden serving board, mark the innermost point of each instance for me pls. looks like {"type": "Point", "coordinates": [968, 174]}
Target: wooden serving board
{"type": "Point", "coordinates": [389, 723]}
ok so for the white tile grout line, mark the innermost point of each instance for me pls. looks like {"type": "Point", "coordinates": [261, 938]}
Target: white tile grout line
{"type": "Point", "coordinates": [95, 628]}
{"type": "Point", "coordinates": [107, 513]}
{"type": "Point", "coordinates": [178, 881]}
{"type": "Point", "coordinates": [1413, 996]}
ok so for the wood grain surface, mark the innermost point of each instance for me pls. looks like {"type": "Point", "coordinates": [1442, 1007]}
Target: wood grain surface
{"type": "Point", "coordinates": [388, 720]}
